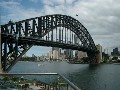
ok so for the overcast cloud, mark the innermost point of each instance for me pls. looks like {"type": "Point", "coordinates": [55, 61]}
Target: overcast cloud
{"type": "Point", "coordinates": [100, 17]}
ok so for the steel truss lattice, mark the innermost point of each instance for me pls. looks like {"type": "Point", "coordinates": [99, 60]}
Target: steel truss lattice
{"type": "Point", "coordinates": [17, 38]}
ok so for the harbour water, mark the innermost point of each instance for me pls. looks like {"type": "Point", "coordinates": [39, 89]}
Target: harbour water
{"type": "Point", "coordinates": [85, 76]}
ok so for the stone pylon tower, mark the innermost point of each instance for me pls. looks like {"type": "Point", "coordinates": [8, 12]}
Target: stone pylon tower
{"type": "Point", "coordinates": [99, 55]}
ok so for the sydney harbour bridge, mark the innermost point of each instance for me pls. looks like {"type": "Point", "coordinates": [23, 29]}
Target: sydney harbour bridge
{"type": "Point", "coordinates": [50, 30]}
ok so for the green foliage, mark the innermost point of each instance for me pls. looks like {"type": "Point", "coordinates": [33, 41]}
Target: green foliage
{"type": "Point", "coordinates": [26, 85]}
{"type": "Point", "coordinates": [6, 78]}
{"type": "Point", "coordinates": [114, 58]}
{"type": "Point", "coordinates": [14, 79]}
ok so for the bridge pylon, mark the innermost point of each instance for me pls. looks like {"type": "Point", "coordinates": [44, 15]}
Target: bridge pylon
{"type": "Point", "coordinates": [0, 56]}
{"type": "Point", "coordinates": [98, 57]}
{"type": "Point", "coordinates": [1, 71]}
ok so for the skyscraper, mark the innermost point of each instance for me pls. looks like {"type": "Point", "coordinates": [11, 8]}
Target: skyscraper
{"type": "Point", "coordinates": [76, 54]}
{"type": "Point", "coordinates": [115, 51]}
{"type": "Point", "coordinates": [55, 54]}
{"type": "Point", "coordinates": [50, 55]}
{"type": "Point", "coordinates": [69, 53]}
{"type": "Point", "coordinates": [57, 49]}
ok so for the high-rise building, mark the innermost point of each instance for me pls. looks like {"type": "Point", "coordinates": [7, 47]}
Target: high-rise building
{"type": "Point", "coordinates": [33, 55]}
{"type": "Point", "coordinates": [37, 58]}
{"type": "Point", "coordinates": [99, 56]}
{"type": "Point", "coordinates": [50, 54]}
{"type": "Point", "coordinates": [57, 49]}
{"type": "Point", "coordinates": [115, 51]}
{"type": "Point", "coordinates": [55, 54]}
{"type": "Point", "coordinates": [76, 54]}
{"type": "Point", "coordinates": [69, 53]}
{"type": "Point", "coordinates": [80, 54]}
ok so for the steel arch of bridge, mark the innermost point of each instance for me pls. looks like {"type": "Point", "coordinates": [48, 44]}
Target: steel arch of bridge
{"type": "Point", "coordinates": [22, 35]}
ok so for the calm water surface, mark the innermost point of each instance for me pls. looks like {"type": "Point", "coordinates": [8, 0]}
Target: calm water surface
{"type": "Point", "coordinates": [88, 77]}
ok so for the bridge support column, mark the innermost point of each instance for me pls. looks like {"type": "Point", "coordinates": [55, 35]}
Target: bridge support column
{"type": "Point", "coordinates": [0, 61]}
{"type": "Point", "coordinates": [0, 66]}
{"type": "Point", "coordinates": [98, 57]}
{"type": "Point", "coordinates": [92, 58]}
{"type": "Point", "coordinates": [0, 54]}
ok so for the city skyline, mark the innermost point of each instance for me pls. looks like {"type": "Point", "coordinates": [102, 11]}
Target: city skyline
{"type": "Point", "coordinates": [100, 19]}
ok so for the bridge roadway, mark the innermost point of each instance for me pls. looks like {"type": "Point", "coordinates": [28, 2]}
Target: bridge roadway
{"type": "Point", "coordinates": [40, 42]}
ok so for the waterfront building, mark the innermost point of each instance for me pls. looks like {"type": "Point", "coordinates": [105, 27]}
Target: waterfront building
{"type": "Point", "coordinates": [62, 56]}
{"type": "Point", "coordinates": [37, 58]}
{"type": "Point", "coordinates": [50, 54]}
{"type": "Point", "coordinates": [57, 49]}
{"type": "Point", "coordinates": [81, 54]}
{"type": "Point", "coordinates": [55, 54]}
{"type": "Point", "coordinates": [76, 54]}
{"type": "Point", "coordinates": [99, 56]}
{"type": "Point", "coordinates": [115, 52]}
{"type": "Point", "coordinates": [33, 55]}
{"type": "Point", "coordinates": [69, 54]}
{"type": "Point", "coordinates": [42, 58]}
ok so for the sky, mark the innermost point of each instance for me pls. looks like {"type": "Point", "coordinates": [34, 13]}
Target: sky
{"type": "Point", "coordinates": [100, 17]}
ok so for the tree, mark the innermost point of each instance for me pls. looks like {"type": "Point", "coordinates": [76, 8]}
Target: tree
{"type": "Point", "coordinates": [26, 85]}
{"type": "Point", "coordinates": [114, 58]}
{"type": "Point", "coordinates": [6, 78]}
{"type": "Point", "coordinates": [14, 79]}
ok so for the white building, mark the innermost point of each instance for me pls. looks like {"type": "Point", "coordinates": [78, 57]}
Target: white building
{"type": "Point", "coordinates": [55, 54]}
{"type": "Point", "coordinates": [37, 58]}
{"type": "Point", "coordinates": [69, 53]}
{"type": "Point", "coordinates": [50, 54]}
{"type": "Point", "coordinates": [57, 49]}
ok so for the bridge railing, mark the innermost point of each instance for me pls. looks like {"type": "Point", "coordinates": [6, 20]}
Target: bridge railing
{"type": "Point", "coordinates": [41, 81]}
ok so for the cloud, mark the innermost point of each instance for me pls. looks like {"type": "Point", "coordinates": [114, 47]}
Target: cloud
{"type": "Point", "coordinates": [100, 17]}
{"type": "Point", "coordinates": [53, 2]}
{"type": "Point", "coordinates": [35, 1]}
{"type": "Point", "coordinates": [17, 12]}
